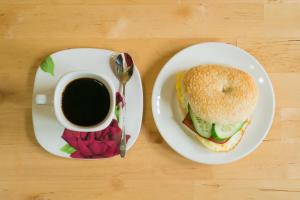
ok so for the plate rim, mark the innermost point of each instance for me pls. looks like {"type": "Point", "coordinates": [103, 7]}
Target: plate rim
{"type": "Point", "coordinates": [33, 102]}
{"type": "Point", "coordinates": [155, 88]}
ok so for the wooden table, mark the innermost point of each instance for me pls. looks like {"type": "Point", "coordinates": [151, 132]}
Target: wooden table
{"type": "Point", "coordinates": [152, 31]}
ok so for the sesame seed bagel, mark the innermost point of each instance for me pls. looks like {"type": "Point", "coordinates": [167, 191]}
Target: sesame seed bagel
{"type": "Point", "coordinates": [220, 94]}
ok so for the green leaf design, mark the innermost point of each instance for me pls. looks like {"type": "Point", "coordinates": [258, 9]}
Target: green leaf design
{"type": "Point", "coordinates": [68, 149]}
{"type": "Point", "coordinates": [117, 112]}
{"type": "Point", "coordinates": [48, 65]}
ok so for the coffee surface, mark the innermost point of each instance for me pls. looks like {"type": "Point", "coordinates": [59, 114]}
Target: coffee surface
{"type": "Point", "coordinates": [85, 102]}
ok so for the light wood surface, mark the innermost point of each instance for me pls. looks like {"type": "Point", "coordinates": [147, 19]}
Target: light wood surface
{"type": "Point", "coordinates": [152, 31]}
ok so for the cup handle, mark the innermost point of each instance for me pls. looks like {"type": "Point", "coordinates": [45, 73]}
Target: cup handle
{"type": "Point", "coordinates": [41, 99]}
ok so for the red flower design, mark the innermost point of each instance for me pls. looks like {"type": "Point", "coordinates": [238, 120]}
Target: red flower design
{"type": "Point", "coordinates": [99, 144]}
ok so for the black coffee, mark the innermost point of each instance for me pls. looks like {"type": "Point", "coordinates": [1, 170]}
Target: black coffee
{"type": "Point", "coordinates": [85, 102]}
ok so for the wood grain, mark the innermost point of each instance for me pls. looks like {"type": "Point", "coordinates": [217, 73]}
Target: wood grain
{"type": "Point", "coordinates": [152, 31]}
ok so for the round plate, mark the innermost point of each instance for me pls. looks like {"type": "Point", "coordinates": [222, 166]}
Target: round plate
{"type": "Point", "coordinates": [48, 130]}
{"type": "Point", "coordinates": [164, 104]}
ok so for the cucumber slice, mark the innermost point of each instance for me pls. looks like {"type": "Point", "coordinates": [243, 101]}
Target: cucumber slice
{"type": "Point", "coordinates": [215, 136]}
{"type": "Point", "coordinates": [202, 127]}
{"type": "Point", "coordinates": [224, 131]}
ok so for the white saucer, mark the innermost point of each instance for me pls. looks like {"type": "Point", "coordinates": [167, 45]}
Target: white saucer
{"type": "Point", "coordinates": [164, 101]}
{"type": "Point", "coordinates": [48, 130]}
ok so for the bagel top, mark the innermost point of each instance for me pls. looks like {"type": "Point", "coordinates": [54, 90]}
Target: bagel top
{"type": "Point", "coordinates": [220, 94]}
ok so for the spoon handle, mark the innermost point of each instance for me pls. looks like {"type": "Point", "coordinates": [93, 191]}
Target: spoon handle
{"type": "Point", "coordinates": [123, 138]}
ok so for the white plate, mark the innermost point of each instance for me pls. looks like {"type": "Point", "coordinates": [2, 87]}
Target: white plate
{"type": "Point", "coordinates": [47, 130]}
{"type": "Point", "coordinates": [164, 101]}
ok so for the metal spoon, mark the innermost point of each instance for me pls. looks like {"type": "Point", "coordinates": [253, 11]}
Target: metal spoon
{"type": "Point", "coordinates": [124, 69]}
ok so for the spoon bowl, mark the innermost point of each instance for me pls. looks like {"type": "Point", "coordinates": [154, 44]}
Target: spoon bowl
{"type": "Point", "coordinates": [123, 67]}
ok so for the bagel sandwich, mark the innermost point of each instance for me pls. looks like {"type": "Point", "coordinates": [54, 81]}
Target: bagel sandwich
{"type": "Point", "coordinates": [215, 104]}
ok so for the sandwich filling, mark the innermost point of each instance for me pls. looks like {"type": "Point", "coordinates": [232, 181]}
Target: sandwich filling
{"type": "Point", "coordinates": [214, 132]}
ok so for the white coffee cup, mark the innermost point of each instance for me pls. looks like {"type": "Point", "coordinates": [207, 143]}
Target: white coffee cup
{"type": "Point", "coordinates": [56, 100]}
